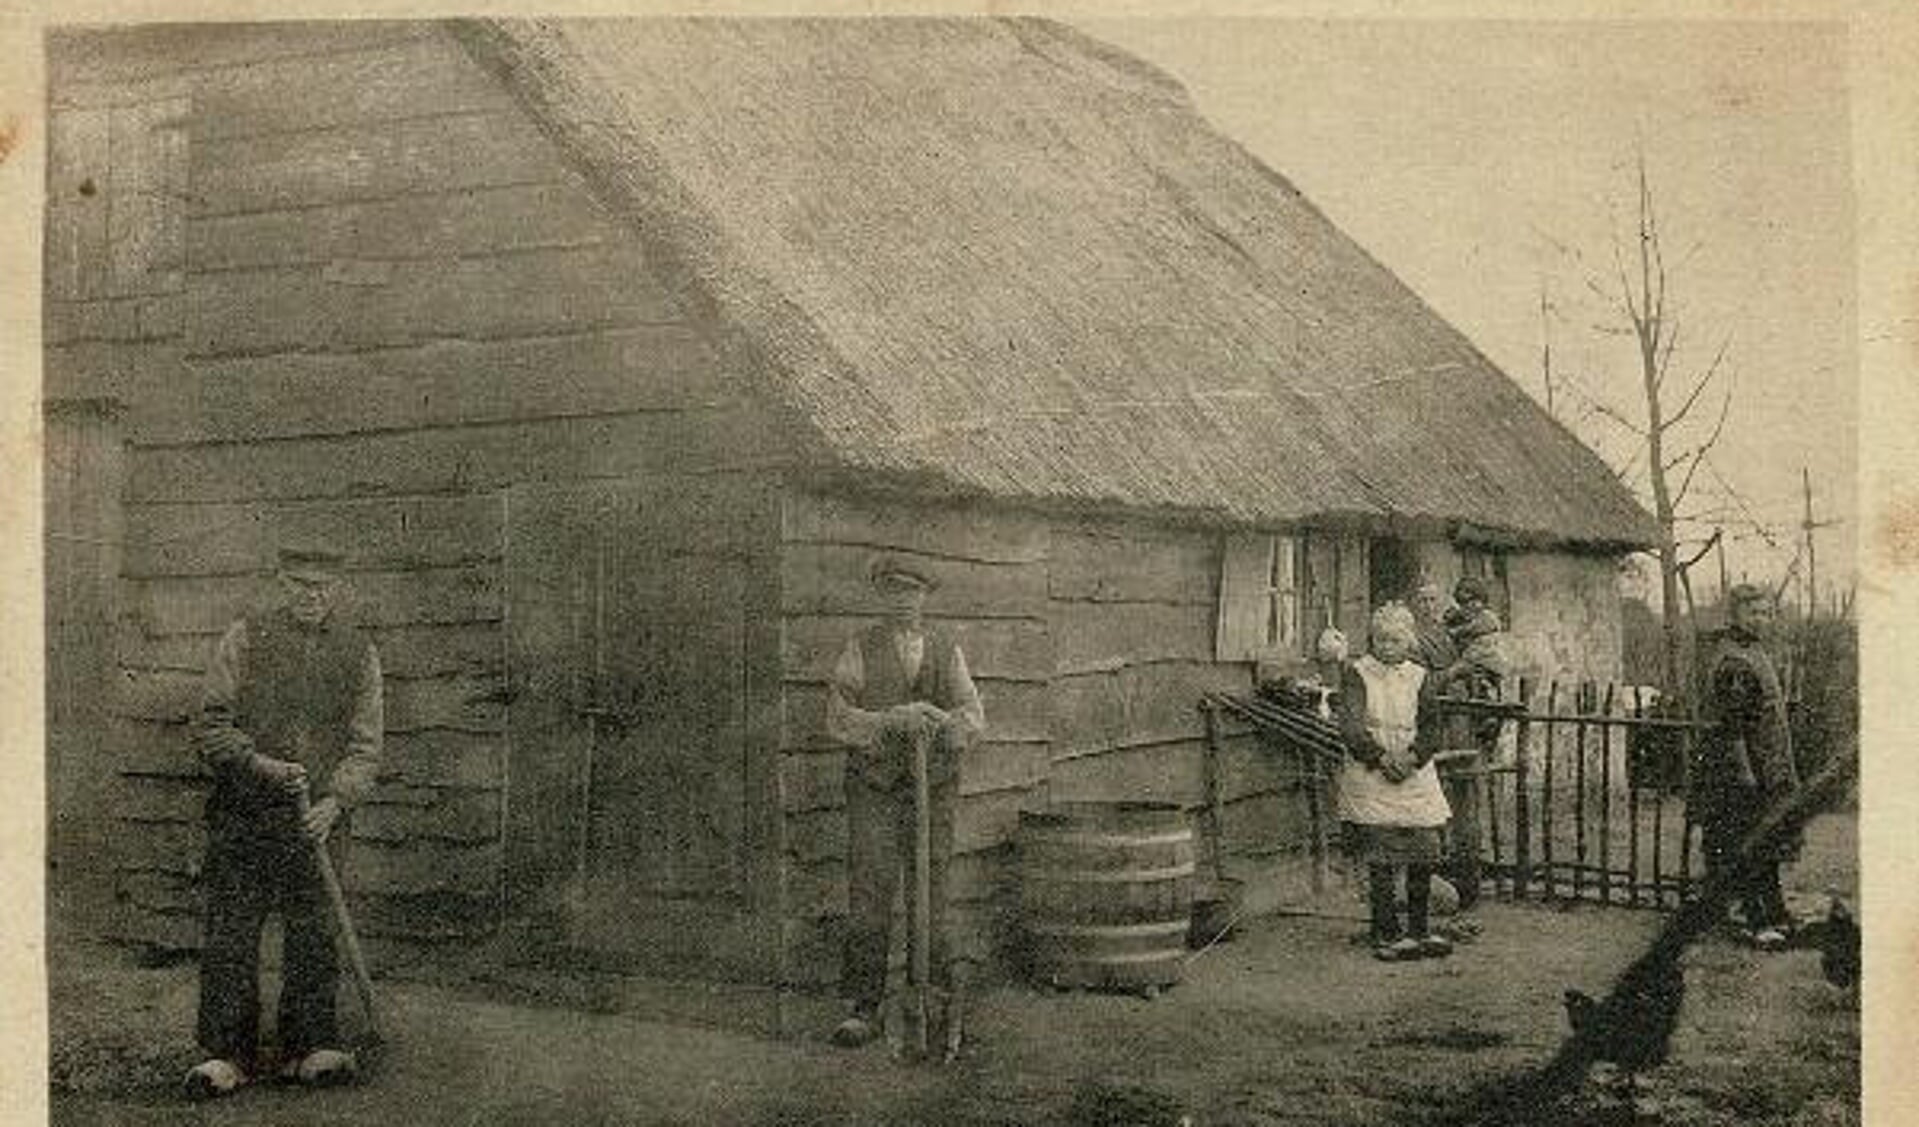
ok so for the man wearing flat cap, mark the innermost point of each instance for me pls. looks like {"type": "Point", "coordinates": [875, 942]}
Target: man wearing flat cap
{"type": "Point", "coordinates": [292, 710]}
{"type": "Point", "coordinates": [897, 684]}
{"type": "Point", "coordinates": [1746, 764]}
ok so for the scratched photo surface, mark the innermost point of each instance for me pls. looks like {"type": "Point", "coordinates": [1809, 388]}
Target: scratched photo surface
{"type": "Point", "coordinates": [951, 570]}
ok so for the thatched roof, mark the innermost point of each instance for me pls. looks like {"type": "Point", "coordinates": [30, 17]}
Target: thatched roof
{"type": "Point", "coordinates": [997, 256]}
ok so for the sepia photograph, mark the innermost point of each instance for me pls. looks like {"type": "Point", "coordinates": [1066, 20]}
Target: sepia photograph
{"type": "Point", "coordinates": [1061, 568]}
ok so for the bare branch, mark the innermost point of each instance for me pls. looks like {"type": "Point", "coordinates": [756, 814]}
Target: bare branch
{"type": "Point", "coordinates": [1601, 407]}
{"type": "Point", "coordinates": [1665, 355]}
{"type": "Point", "coordinates": [1699, 452]}
{"type": "Point", "coordinates": [1712, 370]}
{"type": "Point", "coordinates": [1701, 554]}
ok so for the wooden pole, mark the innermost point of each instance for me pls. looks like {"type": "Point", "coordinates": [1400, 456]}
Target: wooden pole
{"type": "Point", "coordinates": [1522, 801]}
{"type": "Point", "coordinates": [1812, 559]}
{"type": "Point", "coordinates": [343, 928]}
{"type": "Point", "coordinates": [922, 894]}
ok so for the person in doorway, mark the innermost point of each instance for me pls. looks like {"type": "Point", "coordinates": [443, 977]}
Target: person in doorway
{"type": "Point", "coordinates": [290, 730]}
{"type": "Point", "coordinates": [1746, 765]}
{"type": "Point", "coordinates": [1435, 650]}
{"type": "Point", "coordinates": [1390, 801]}
{"type": "Point", "coordinates": [897, 684]}
{"type": "Point", "coordinates": [1475, 668]}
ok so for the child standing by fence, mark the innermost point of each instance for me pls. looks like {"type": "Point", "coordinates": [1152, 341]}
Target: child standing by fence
{"type": "Point", "coordinates": [1390, 799]}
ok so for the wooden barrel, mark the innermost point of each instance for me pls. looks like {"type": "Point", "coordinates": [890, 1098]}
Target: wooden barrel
{"type": "Point", "coordinates": [1106, 893]}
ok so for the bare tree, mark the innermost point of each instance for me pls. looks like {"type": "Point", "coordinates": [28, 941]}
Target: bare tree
{"type": "Point", "coordinates": [1638, 305]}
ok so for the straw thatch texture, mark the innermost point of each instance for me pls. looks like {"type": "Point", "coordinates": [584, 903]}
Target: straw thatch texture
{"type": "Point", "coordinates": [998, 257]}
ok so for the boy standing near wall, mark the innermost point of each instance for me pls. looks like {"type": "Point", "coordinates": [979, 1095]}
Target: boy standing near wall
{"type": "Point", "coordinates": [896, 685]}
{"type": "Point", "coordinates": [293, 708]}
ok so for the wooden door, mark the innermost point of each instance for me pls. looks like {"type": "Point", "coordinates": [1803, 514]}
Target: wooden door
{"type": "Point", "coordinates": [629, 609]}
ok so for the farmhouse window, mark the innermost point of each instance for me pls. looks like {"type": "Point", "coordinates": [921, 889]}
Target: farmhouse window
{"type": "Point", "coordinates": [1258, 597]}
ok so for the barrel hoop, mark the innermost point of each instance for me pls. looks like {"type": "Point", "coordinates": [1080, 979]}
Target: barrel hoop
{"type": "Point", "coordinates": [1109, 876]}
{"type": "Point", "coordinates": [1119, 960]}
{"type": "Point", "coordinates": [1073, 838]}
{"type": "Point", "coordinates": [1111, 931]}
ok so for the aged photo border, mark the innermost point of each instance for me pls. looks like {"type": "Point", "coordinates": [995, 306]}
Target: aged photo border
{"type": "Point", "coordinates": [1885, 108]}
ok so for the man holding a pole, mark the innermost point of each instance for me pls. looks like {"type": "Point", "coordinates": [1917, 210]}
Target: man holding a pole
{"type": "Point", "coordinates": [904, 703]}
{"type": "Point", "coordinates": [1746, 764]}
{"type": "Point", "coordinates": [291, 731]}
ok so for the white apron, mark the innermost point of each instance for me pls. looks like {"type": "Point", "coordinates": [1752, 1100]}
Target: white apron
{"type": "Point", "coordinates": [1392, 712]}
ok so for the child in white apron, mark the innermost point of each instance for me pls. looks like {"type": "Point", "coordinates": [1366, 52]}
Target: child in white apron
{"type": "Point", "coordinates": [1390, 801]}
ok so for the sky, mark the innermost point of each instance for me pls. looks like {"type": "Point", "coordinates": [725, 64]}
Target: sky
{"type": "Point", "coordinates": [1484, 161]}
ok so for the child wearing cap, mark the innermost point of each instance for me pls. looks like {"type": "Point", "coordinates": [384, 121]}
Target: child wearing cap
{"type": "Point", "coordinates": [1389, 798]}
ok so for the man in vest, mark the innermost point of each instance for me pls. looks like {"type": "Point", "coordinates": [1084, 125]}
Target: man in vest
{"type": "Point", "coordinates": [1746, 763]}
{"type": "Point", "coordinates": [895, 685]}
{"type": "Point", "coordinates": [292, 711]}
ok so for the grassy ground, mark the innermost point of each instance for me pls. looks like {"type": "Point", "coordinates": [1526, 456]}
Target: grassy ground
{"type": "Point", "coordinates": [1292, 1023]}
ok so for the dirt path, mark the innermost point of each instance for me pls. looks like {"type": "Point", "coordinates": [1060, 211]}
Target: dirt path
{"type": "Point", "coordinates": [1291, 1024]}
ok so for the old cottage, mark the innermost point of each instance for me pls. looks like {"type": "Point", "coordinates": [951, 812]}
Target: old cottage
{"type": "Point", "coordinates": [613, 351]}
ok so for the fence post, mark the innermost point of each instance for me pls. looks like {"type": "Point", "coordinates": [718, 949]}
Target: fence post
{"type": "Point", "coordinates": [1522, 801]}
{"type": "Point", "coordinates": [1605, 797]}
{"type": "Point", "coordinates": [1546, 795]}
{"type": "Point", "coordinates": [1579, 791]}
{"type": "Point", "coordinates": [1632, 805]}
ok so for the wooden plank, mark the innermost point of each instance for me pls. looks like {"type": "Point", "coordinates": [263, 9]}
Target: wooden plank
{"type": "Point", "coordinates": [1088, 636]}
{"type": "Point", "coordinates": [388, 534]}
{"type": "Point", "coordinates": [987, 821]}
{"type": "Point", "coordinates": [1169, 772]}
{"type": "Point", "coordinates": [1136, 704]}
{"type": "Point", "coordinates": [999, 765]}
{"type": "Point", "coordinates": [430, 916]}
{"type": "Point", "coordinates": [375, 161]}
{"type": "Point", "coordinates": [133, 52]}
{"type": "Point", "coordinates": [456, 703]}
{"type": "Point", "coordinates": [1247, 769]}
{"type": "Point", "coordinates": [146, 238]}
{"type": "Point", "coordinates": [1016, 712]}
{"type": "Point", "coordinates": [1124, 565]}
{"type": "Point", "coordinates": [440, 225]}
{"type": "Point", "coordinates": [165, 696]}
{"type": "Point", "coordinates": [421, 867]}
{"type": "Point", "coordinates": [442, 758]}
{"type": "Point", "coordinates": [832, 579]}
{"type": "Point", "coordinates": [150, 318]}
{"type": "Point", "coordinates": [144, 747]}
{"type": "Point", "coordinates": [997, 649]}
{"type": "Point", "coordinates": [162, 892]}
{"type": "Point", "coordinates": [474, 649]}
{"type": "Point", "coordinates": [1266, 822]}
{"type": "Point", "coordinates": [105, 369]}
{"type": "Point", "coordinates": [76, 224]}
{"type": "Point", "coordinates": [174, 931]}
{"type": "Point", "coordinates": [174, 847]}
{"type": "Point", "coordinates": [154, 799]}
{"type": "Point", "coordinates": [817, 891]}
{"type": "Point", "coordinates": [409, 78]}
{"type": "Point", "coordinates": [968, 532]}
{"type": "Point", "coordinates": [1162, 701]}
{"type": "Point", "coordinates": [454, 459]}
{"type": "Point", "coordinates": [456, 818]}
{"type": "Point", "coordinates": [813, 781]}
{"type": "Point", "coordinates": [198, 605]}
{"type": "Point", "coordinates": [815, 836]}
{"type": "Point", "coordinates": [1089, 713]}
{"type": "Point", "coordinates": [357, 304]}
